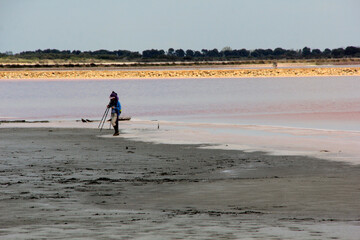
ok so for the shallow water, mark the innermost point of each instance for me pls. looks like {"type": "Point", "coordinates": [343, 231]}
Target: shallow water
{"type": "Point", "coordinates": [280, 115]}
{"type": "Point", "coordinates": [330, 101]}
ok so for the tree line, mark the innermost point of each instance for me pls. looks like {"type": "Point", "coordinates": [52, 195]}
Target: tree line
{"type": "Point", "coordinates": [189, 55]}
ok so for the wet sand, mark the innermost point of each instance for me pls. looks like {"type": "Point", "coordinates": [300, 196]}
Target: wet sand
{"type": "Point", "coordinates": [71, 183]}
{"type": "Point", "coordinates": [213, 73]}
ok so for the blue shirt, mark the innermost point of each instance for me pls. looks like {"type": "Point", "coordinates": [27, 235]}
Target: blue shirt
{"type": "Point", "coordinates": [117, 107]}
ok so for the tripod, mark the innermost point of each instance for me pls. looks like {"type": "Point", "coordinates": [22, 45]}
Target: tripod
{"type": "Point", "coordinates": [103, 119]}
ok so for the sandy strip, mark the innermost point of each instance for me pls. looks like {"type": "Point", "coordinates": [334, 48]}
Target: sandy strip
{"type": "Point", "coordinates": [72, 183]}
{"type": "Point", "coordinates": [216, 73]}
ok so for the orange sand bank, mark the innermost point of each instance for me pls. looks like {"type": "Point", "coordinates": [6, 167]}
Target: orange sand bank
{"type": "Point", "coordinates": [103, 74]}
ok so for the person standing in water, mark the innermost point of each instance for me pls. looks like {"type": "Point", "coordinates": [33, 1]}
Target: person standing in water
{"type": "Point", "coordinates": [115, 106]}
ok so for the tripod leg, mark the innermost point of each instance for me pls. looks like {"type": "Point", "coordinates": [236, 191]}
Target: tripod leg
{"type": "Point", "coordinates": [104, 120]}
{"type": "Point", "coordinates": [102, 117]}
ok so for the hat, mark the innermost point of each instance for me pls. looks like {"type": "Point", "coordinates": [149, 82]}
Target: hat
{"type": "Point", "coordinates": [113, 95]}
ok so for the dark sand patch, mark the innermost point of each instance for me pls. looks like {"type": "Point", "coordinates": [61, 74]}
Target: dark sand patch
{"type": "Point", "coordinates": [69, 183]}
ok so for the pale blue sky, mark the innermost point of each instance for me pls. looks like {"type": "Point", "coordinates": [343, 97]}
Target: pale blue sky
{"type": "Point", "coordinates": [188, 24]}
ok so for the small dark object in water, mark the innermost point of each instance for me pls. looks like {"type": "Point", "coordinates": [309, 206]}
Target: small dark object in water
{"type": "Point", "coordinates": [86, 120]}
{"type": "Point", "coordinates": [12, 121]}
{"type": "Point", "coordinates": [124, 118]}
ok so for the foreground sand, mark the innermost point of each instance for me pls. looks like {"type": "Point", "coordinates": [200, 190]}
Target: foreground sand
{"type": "Point", "coordinates": [214, 73]}
{"type": "Point", "coordinates": [73, 184]}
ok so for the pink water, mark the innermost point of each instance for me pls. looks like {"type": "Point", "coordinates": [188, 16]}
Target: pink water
{"type": "Point", "coordinates": [260, 100]}
{"type": "Point", "coordinates": [314, 114]}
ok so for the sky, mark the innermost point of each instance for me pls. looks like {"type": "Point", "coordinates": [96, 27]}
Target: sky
{"type": "Point", "coordinates": [137, 25]}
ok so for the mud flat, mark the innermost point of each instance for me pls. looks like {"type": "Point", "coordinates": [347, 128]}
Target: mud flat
{"type": "Point", "coordinates": [74, 184]}
{"type": "Point", "coordinates": [215, 73]}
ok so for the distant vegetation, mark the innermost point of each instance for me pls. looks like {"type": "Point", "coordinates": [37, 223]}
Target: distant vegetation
{"type": "Point", "coordinates": [171, 55]}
